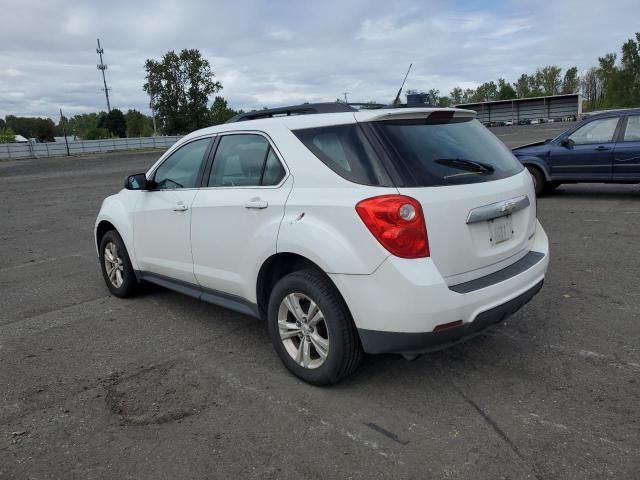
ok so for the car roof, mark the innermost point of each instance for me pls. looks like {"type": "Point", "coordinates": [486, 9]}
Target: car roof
{"type": "Point", "coordinates": [612, 113]}
{"type": "Point", "coordinates": [296, 122]}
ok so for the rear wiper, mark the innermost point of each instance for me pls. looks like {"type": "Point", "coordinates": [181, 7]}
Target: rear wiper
{"type": "Point", "coordinates": [468, 165]}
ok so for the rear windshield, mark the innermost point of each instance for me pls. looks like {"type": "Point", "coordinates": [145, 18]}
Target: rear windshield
{"type": "Point", "coordinates": [451, 152]}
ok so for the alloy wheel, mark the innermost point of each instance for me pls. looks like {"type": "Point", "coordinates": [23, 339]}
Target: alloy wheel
{"type": "Point", "coordinates": [113, 264]}
{"type": "Point", "coordinates": [303, 330]}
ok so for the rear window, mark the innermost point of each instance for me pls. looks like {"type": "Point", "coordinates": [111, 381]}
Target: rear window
{"type": "Point", "coordinates": [346, 150]}
{"type": "Point", "coordinates": [451, 152]}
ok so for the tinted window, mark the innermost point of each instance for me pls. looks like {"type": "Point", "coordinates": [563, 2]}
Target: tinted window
{"type": "Point", "coordinates": [446, 152]}
{"type": "Point", "coordinates": [346, 151]}
{"type": "Point", "coordinates": [632, 133]}
{"type": "Point", "coordinates": [273, 170]}
{"type": "Point", "coordinates": [596, 131]}
{"type": "Point", "coordinates": [245, 161]}
{"type": "Point", "coordinates": [181, 169]}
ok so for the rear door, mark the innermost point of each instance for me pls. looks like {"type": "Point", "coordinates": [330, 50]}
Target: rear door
{"type": "Point", "coordinates": [626, 161]}
{"type": "Point", "coordinates": [477, 199]}
{"type": "Point", "coordinates": [237, 213]}
{"type": "Point", "coordinates": [588, 155]}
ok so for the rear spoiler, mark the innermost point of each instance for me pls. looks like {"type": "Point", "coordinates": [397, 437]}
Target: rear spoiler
{"type": "Point", "coordinates": [414, 114]}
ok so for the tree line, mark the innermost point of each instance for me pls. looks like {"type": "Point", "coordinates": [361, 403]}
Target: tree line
{"type": "Point", "coordinates": [180, 86]}
{"type": "Point", "coordinates": [611, 84]}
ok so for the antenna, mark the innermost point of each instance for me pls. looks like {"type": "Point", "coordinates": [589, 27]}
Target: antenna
{"type": "Point", "coordinates": [103, 67]}
{"type": "Point", "coordinates": [397, 99]}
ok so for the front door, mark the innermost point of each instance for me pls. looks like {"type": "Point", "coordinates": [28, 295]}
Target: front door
{"type": "Point", "coordinates": [588, 152]}
{"type": "Point", "coordinates": [626, 162]}
{"type": "Point", "coordinates": [236, 215]}
{"type": "Point", "coordinates": [162, 219]}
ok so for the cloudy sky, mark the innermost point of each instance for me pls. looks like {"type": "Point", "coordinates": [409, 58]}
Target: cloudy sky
{"type": "Point", "coordinates": [273, 52]}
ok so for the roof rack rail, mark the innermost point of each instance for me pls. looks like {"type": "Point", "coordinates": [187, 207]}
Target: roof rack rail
{"type": "Point", "coordinates": [304, 109]}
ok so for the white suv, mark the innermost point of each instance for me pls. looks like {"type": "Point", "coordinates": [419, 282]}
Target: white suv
{"type": "Point", "coordinates": [380, 231]}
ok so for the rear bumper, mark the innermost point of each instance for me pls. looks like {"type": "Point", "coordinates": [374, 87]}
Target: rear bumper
{"type": "Point", "coordinates": [397, 308]}
{"type": "Point", "coordinates": [375, 341]}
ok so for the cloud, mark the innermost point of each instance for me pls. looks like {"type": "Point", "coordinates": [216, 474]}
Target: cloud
{"type": "Point", "coordinates": [274, 52]}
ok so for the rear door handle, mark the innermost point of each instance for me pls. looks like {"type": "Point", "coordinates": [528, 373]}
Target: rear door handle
{"type": "Point", "coordinates": [256, 204]}
{"type": "Point", "coordinates": [180, 208]}
{"type": "Point", "coordinates": [602, 148]}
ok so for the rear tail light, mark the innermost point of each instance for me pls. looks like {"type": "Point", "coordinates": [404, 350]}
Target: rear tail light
{"type": "Point", "coordinates": [397, 222]}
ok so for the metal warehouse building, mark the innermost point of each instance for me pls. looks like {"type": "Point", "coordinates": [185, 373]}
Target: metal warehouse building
{"type": "Point", "coordinates": [526, 109]}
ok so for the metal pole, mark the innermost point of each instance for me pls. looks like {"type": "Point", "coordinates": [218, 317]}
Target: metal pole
{"type": "Point", "coordinates": [103, 67]}
{"type": "Point", "coordinates": [64, 131]}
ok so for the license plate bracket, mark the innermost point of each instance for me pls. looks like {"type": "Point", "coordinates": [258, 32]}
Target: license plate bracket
{"type": "Point", "coordinates": [500, 229]}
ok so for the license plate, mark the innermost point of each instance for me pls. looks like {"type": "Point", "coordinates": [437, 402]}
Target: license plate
{"type": "Point", "coordinates": [500, 229]}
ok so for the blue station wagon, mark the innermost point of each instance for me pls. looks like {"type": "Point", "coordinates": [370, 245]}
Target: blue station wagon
{"type": "Point", "coordinates": [603, 148]}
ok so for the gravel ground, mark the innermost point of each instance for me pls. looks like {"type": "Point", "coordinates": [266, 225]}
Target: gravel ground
{"type": "Point", "coordinates": [164, 386]}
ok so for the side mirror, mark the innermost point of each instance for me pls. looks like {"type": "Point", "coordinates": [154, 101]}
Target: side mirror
{"type": "Point", "coordinates": [136, 182]}
{"type": "Point", "coordinates": [567, 143]}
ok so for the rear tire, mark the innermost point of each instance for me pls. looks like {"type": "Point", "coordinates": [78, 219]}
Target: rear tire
{"type": "Point", "coordinates": [539, 181]}
{"type": "Point", "coordinates": [116, 266]}
{"type": "Point", "coordinates": [306, 314]}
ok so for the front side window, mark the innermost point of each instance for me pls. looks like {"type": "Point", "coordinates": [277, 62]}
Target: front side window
{"type": "Point", "coordinates": [632, 133]}
{"type": "Point", "coordinates": [180, 169]}
{"type": "Point", "coordinates": [596, 131]}
{"type": "Point", "coordinates": [245, 160]}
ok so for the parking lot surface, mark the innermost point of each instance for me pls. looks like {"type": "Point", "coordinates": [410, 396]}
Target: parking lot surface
{"type": "Point", "coordinates": [164, 386]}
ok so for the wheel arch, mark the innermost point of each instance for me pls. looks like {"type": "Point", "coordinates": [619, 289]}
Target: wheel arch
{"type": "Point", "coordinates": [103, 227]}
{"type": "Point", "coordinates": [276, 267]}
{"type": "Point", "coordinates": [537, 163]}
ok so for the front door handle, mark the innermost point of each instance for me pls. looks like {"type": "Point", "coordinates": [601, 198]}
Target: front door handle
{"type": "Point", "coordinates": [180, 208]}
{"type": "Point", "coordinates": [256, 204]}
{"type": "Point", "coordinates": [602, 148]}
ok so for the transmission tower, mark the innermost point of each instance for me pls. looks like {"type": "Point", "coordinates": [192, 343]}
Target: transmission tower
{"type": "Point", "coordinates": [103, 67]}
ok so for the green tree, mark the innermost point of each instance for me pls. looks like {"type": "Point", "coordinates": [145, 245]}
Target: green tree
{"type": "Point", "coordinates": [220, 111]}
{"type": "Point", "coordinates": [179, 86]}
{"type": "Point", "coordinates": [571, 81]}
{"type": "Point", "coordinates": [505, 90]}
{"type": "Point", "coordinates": [96, 134]}
{"type": "Point", "coordinates": [485, 92]}
{"type": "Point", "coordinates": [115, 123]}
{"type": "Point", "coordinates": [468, 96]}
{"type": "Point", "coordinates": [444, 101]}
{"type": "Point", "coordinates": [549, 80]}
{"type": "Point", "coordinates": [456, 95]}
{"type": "Point", "coordinates": [42, 129]}
{"type": "Point", "coordinates": [7, 135]}
{"type": "Point", "coordinates": [592, 89]}
{"type": "Point", "coordinates": [521, 86]}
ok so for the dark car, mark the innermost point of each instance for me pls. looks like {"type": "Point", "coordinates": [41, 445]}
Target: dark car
{"type": "Point", "coordinates": [604, 148]}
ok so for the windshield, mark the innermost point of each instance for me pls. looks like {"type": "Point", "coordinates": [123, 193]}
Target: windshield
{"type": "Point", "coordinates": [452, 152]}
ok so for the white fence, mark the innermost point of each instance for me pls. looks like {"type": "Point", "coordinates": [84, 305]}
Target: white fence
{"type": "Point", "coordinates": [10, 151]}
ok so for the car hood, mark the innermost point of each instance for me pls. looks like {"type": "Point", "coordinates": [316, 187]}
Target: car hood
{"type": "Point", "coordinates": [536, 148]}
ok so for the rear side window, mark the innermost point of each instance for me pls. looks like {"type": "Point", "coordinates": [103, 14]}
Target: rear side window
{"type": "Point", "coordinates": [345, 150]}
{"type": "Point", "coordinates": [632, 133]}
{"type": "Point", "coordinates": [445, 152]}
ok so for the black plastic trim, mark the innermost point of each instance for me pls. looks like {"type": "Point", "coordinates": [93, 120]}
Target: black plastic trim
{"type": "Point", "coordinates": [232, 302]}
{"type": "Point", "coordinates": [304, 109]}
{"type": "Point", "coordinates": [375, 341]}
{"type": "Point", "coordinates": [525, 263]}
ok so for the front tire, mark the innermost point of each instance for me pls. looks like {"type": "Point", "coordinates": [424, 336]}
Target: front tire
{"type": "Point", "coordinates": [311, 328]}
{"type": "Point", "coordinates": [116, 266]}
